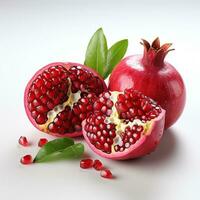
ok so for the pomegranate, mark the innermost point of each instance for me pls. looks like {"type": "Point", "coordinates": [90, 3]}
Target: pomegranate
{"type": "Point", "coordinates": [60, 96]}
{"type": "Point", "coordinates": [154, 77]}
{"type": "Point", "coordinates": [124, 125]}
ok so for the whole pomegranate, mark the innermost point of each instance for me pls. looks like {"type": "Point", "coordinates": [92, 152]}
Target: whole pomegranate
{"type": "Point", "coordinates": [154, 77]}
{"type": "Point", "coordinates": [60, 96]}
{"type": "Point", "coordinates": [124, 125]}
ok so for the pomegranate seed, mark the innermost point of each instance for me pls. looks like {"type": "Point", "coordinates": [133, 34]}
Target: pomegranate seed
{"type": "Point", "coordinates": [136, 136]}
{"type": "Point", "coordinates": [23, 141]}
{"type": "Point", "coordinates": [41, 119]}
{"type": "Point", "coordinates": [26, 160]}
{"type": "Point", "coordinates": [121, 98]}
{"type": "Point", "coordinates": [116, 147]}
{"type": "Point", "coordinates": [86, 163]}
{"type": "Point", "coordinates": [98, 165]}
{"type": "Point", "coordinates": [42, 142]}
{"type": "Point", "coordinates": [106, 173]}
{"type": "Point", "coordinates": [31, 96]}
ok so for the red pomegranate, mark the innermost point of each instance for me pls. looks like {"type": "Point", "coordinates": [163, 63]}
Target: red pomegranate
{"type": "Point", "coordinates": [60, 96]}
{"type": "Point", "coordinates": [154, 77]}
{"type": "Point", "coordinates": [124, 125]}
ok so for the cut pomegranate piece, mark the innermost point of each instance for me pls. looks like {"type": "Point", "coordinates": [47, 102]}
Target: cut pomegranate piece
{"type": "Point", "coordinates": [124, 125]}
{"type": "Point", "coordinates": [98, 165]}
{"type": "Point", "coordinates": [26, 160]}
{"type": "Point", "coordinates": [60, 96]}
{"type": "Point", "coordinates": [23, 141]}
{"type": "Point", "coordinates": [86, 163]}
{"type": "Point", "coordinates": [42, 142]}
{"type": "Point", "coordinates": [106, 173]}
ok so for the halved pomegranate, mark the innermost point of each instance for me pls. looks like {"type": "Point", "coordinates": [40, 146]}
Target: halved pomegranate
{"type": "Point", "coordinates": [60, 96]}
{"type": "Point", "coordinates": [124, 125]}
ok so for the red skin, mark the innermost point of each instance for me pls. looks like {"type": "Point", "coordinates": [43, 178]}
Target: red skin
{"type": "Point", "coordinates": [151, 81]}
{"type": "Point", "coordinates": [145, 145]}
{"type": "Point", "coordinates": [67, 65]}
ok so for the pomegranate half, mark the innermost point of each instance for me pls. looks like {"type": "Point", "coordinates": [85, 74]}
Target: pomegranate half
{"type": "Point", "coordinates": [154, 77]}
{"type": "Point", "coordinates": [60, 96]}
{"type": "Point", "coordinates": [124, 125]}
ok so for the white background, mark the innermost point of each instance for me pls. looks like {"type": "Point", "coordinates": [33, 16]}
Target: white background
{"type": "Point", "coordinates": [35, 33]}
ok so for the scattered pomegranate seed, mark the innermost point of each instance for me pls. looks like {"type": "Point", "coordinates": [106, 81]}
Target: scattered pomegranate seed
{"type": "Point", "coordinates": [98, 165]}
{"type": "Point", "coordinates": [42, 142]}
{"type": "Point", "coordinates": [106, 173]}
{"type": "Point", "coordinates": [23, 141]}
{"type": "Point", "coordinates": [26, 160]}
{"type": "Point", "coordinates": [86, 163]}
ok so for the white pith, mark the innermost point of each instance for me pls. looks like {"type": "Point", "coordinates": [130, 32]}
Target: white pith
{"type": "Point", "coordinates": [51, 115]}
{"type": "Point", "coordinates": [120, 125]}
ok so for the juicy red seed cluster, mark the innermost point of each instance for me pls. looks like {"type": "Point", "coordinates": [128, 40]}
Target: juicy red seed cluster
{"type": "Point", "coordinates": [104, 104]}
{"type": "Point", "coordinates": [84, 81]}
{"type": "Point", "coordinates": [98, 165]}
{"type": "Point", "coordinates": [130, 106]}
{"type": "Point", "coordinates": [134, 105]}
{"type": "Point", "coordinates": [50, 89]}
{"type": "Point", "coordinates": [69, 120]}
{"type": "Point", "coordinates": [47, 91]}
{"type": "Point", "coordinates": [129, 137]}
{"type": "Point", "coordinates": [99, 133]}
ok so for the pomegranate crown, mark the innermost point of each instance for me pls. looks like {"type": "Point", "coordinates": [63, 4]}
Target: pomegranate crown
{"type": "Point", "coordinates": [154, 54]}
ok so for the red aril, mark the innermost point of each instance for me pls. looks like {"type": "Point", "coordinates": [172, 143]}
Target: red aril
{"type": "Point", "coordinates": [98, 165]}
{"type": "Point", "coordinates": [106, 173]}
{"type": "Point", "coordinates": [60, 96]}
{"type": "Point", "coordinates": [26, 160]}
{"type": "Point", "coordinates": [23, 141]}
{"type": "Point", "coordinates": [154, 77]}
{"type": "Point", "coordinates": [86, 163]}
{"type": "Point", "coordinates": [124, 125]}
{"type": "Point", "coordinates": [42, 142]}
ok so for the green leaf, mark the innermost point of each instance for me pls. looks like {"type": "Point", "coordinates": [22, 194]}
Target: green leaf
{"type": "Point", "coordinates": [115, 54]}
{"type": "Point", "coordinates": [53, 146]}
{"type": "Point", "coordinates": [73, 151]}
{"type": "Point", "coordinates": [96, 52]}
